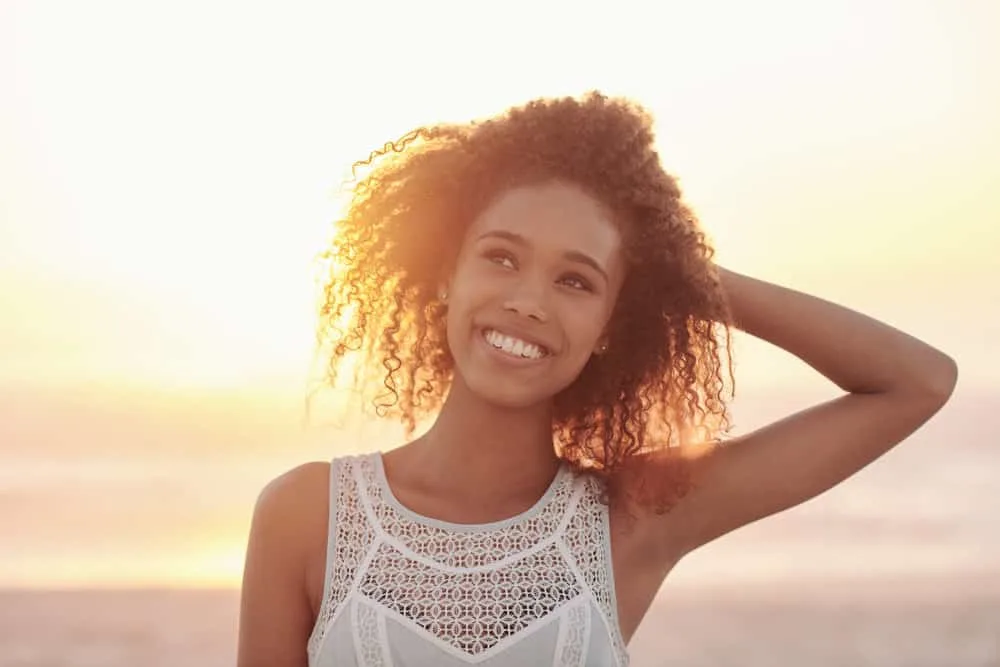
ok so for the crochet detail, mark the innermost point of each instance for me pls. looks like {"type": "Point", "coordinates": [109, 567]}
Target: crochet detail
{"type": "Point", "coordinates": [353, 538]}
{"type": "Point", "coordinates": [592, 555]}
{"type": "Point", "coordinates": [574, 637]}
{"type": "Point", "coordinates": [467, 548]}
{"type": "Point", "coordinates": [473, 610]}
{"type": "Point", "coordinates": [471, 590]}
{"type": "Point", "coordinates": [371, 647]}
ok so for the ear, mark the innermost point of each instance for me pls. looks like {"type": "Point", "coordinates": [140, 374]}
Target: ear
{"type": "Point", "coordinates": [444, 287]}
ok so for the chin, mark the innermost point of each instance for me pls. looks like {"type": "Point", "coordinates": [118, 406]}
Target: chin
{"type": "Point", "coordinates": [507, 384]}
{"type": "Point", "coordinates": [510, 398]}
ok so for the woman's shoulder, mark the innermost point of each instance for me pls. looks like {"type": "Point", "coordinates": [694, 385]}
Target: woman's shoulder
{"type": "Point", "coordinates": [284, 559]}
{"type": "Point", "coordinates": [300, 492]}
{"type": "Point", "coordinates": [292, 486]}
{"type": "Point", "coordinates": [293, 503]}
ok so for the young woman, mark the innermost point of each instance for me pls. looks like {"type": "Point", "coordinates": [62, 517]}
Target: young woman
{"type": "Point", "coordinates": [536, 285]}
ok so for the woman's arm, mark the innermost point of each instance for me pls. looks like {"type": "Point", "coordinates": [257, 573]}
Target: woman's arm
{"type": "Point", "coordinates": [276, 617]}
{"type": "Point", "coordinates": [894, 384]}
{"type": "Point", "coordinates": [857, 353]}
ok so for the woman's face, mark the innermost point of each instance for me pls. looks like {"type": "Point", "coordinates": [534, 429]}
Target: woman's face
{"type": "Point", "coordinates": [533, 289]}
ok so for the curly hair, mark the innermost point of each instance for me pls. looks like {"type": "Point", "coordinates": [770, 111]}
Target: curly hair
{"type": "Point", "coordinates": [660, 381]}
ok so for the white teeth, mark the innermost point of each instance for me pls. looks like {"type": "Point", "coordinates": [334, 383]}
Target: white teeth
{"type": "Point", "coordinates": [513, 346]}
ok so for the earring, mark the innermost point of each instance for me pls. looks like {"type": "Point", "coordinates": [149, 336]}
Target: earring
{"type": "Point", "coordinates": [443, 295]}
{"type": "Point", "coordinates": [602, 348]}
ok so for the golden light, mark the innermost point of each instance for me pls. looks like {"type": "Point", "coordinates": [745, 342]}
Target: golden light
{"type": "Point", "coordinates": [174, 170]}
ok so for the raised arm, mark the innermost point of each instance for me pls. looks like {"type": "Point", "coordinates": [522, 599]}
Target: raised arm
{"type": "Point", "coordinates": [894, 384]}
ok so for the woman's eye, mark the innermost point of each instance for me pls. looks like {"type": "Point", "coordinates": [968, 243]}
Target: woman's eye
{"type": "Point", "coordinates": [576, 282]}
{"type": "Point", "coordinates": [504, 259]}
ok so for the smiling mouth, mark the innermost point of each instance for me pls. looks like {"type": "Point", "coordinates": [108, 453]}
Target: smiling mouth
{"type": "Point", "coordinates": [513, 345]}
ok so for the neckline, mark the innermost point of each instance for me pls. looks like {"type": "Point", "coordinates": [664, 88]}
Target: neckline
{"type": "Point", "coordinates": [390, 497]}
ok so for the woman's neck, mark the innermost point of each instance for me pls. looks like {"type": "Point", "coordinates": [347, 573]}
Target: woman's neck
{"type": "Point", "coordinates": [477, 450]}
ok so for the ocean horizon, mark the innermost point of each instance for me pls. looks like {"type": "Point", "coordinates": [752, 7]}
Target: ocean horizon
{"type": "Point", "coordinates": [947, 622]}
{"type": "Point", "coordinates": [897, 567]}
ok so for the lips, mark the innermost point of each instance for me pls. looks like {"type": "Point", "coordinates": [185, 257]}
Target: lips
{"type": "Point", "coordinates": [514, 346]}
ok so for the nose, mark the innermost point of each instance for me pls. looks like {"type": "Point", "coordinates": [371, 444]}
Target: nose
{"type": "Point", "coordinates": [527, 301]}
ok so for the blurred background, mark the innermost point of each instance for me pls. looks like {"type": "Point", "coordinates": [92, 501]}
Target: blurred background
{"type": "Point", "coordinates": [168, 172]}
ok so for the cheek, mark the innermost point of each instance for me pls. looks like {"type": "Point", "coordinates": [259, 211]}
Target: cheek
{"type": "Point", "coordinates": [452, 318]}
{"type": "Point", "coordinates": [472, 282]}
{"type": "Point", "coordinates": [459, 314]}
{"type": "Point", "coordinates": [584, 327]}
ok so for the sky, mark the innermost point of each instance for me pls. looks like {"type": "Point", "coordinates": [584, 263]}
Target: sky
{"type": "Point", "coordinates": [169, 171]}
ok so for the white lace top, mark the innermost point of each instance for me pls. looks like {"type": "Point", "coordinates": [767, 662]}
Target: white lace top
{"type": "Point", "coordinates": [406, 590]}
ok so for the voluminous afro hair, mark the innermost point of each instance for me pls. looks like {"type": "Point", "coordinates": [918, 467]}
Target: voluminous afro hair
{"type": "Point", "coordinates": [660, 381]}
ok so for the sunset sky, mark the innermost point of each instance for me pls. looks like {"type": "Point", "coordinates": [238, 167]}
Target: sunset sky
{"type": "Point", "coordinates": [168, 172]}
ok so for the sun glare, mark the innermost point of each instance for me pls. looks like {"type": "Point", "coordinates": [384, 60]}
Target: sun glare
{"type": "Point", "coordinates": [175, 170]}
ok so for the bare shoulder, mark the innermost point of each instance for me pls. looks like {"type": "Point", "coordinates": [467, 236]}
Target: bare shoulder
{"type": "Point", "coordinates": [285, 548]}
{"type": "Point", "coordinates": [292, 512]}
{"type": "Point", "coordinates": [296, 489]}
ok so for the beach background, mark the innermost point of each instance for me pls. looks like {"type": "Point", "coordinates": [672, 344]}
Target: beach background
{"type": "Point", "coordinates": [168, 173]}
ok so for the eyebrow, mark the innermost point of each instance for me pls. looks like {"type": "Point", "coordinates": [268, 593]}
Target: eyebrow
{"type": "Point", "coordinates": [572, 255]}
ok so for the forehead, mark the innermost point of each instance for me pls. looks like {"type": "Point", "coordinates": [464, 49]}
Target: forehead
{"type": "Point", "coordinates": [557, 215]}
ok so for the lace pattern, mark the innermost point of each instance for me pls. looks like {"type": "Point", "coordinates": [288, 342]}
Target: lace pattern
{"type": "Point", "coordinates": [471, 611]}
{"type": "Point", "coordinates": [468, 548]}
{"type": "Point", "coordinates": [370, 628]}
{"type": "Point", "coordinates": [353, 538]}
{"type": "Point", "coordinates": [574, 636]}
{"type": "Point", "coordinates": [469, 589]}
{"type": "Point", "coordinates": [587, 539]}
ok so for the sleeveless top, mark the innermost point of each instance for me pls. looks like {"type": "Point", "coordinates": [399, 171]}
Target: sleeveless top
{"type": "Point", "coordinates": [405, 590]}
